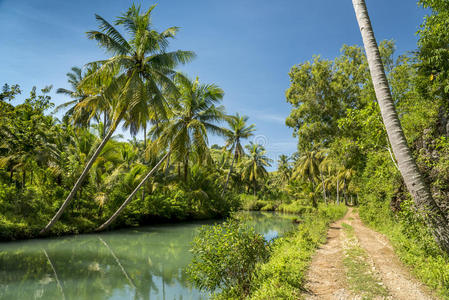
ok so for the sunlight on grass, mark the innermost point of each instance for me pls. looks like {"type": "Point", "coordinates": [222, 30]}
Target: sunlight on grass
{"type": "Point", "coordinates": [359, 273]}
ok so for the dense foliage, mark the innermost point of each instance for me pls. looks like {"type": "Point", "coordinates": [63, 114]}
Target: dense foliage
{"type": "Point", "coordinates": [225, 258]}
{"type": "Point", "coordinates": [44, 160]}
{"type": "Point", "coordinates": [41, 158]}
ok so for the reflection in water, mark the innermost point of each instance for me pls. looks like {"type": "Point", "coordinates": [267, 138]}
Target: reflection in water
{"type": "Point", "coordinates": [142, 263]}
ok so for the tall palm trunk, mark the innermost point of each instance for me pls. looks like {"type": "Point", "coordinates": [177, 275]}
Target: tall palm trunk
{"type": "Point", "coordinates": [324, 188]}
{"type": "Point", "coordinates": [255, 184]}
{"type": "Point", "coordinates": [314, 201]}
{"type": "Point", "coordinates": [104, 125]}
{"type": "Point", "coordinates": [229, 173]}
{"type": "Point", "coordinates": [414, 181]}
{"type": "Point", "coordinates": [79, 182]}
{"type": "Point", "coordinates": [144, 147]}
{"type": "Point", "coordinates": [130, 197]}
{"type": "Point", "coordinates": [186, 168]}
{"type": "Point", "coordinates": [338, 191]}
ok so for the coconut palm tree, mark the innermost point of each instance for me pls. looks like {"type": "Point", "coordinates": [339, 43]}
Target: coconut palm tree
{"type": "Point", "coordinates": [77, 95]}
{"type": "Point", "coordinates": [308, 167]}
{"type": "Point", "coordinates": [194, 116]}
{"type": "Point", "coordinates": [254, 167]}
{"type": "Point", "coordinates": [413, 179]}
{"type": "Point", "coordinates": [141, 67]}
{"type": "Point", "coordinates": [284, 168]}
{"type": "Point", "coordinates": [237, 131]}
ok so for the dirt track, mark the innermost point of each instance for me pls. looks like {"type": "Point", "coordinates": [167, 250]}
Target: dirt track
{"type": "Point", "coordinates": [328, 277]}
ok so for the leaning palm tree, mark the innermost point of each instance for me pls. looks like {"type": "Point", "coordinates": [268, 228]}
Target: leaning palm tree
{"type": "Point", "coordinates": [140, 65]}
{"type": "Point", "coordinates": [426, 205]}
{"type": "Point", "coordinates": [254, 168]}
{"type": "Point", "coordinates": [194, 116]}
{"type": "Point", "coordinates": [237, 131]}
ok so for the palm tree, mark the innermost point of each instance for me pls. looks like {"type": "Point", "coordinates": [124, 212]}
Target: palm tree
{"type": "Point", "coordinates": [284, 168]}
{"type": "Point", "coordinates": [308, 166]}
{"type": "Point", "coordinates": [344, 176]}
{"type": "Point", "coordinates": [194, 115]}
{"type": "Point", "coordinates": [254, 167]}
{"type": "Point", "coordinates": [433, 215]}
{"type": "Point", "coordinates": [237, 131]}
{"type": "Point", "coordinates": [77, 95]}
{"type": "Point", "coordinates": [141, 67]}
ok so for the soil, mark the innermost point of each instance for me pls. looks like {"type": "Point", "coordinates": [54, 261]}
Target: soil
{"type": "Point", "coordinates": [327, 278]}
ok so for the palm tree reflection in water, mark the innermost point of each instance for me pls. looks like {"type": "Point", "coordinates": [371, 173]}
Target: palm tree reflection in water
{"type": "Point", "coordinates": [142, 263]}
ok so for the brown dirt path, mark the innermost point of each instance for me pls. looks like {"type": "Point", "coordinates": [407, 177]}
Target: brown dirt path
{"type": "Point", "coordinates": [326, 278]}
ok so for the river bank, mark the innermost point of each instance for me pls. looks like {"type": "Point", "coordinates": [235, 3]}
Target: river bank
{"type": "Point", "coordinates": [134, 262]}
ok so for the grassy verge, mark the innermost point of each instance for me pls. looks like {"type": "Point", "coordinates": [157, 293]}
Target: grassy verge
{"type": "Point", "coordinates": [283, 276]}
{"type": "Point", "coordinates": [359, 275]}
{"type": "Point", "coordinates": [412, 242]}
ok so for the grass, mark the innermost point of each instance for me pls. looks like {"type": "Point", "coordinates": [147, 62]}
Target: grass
{"type": "Point", "coordinates": [359, 274]}
{"type": "Point", "coordinates": [413, 244]}
{"type": "Point", "coordinates": [283, 276]}
{"type": "Point", "coordinates": [252, 203]}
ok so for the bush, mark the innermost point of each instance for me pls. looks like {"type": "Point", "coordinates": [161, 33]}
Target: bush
{"type": "Point", "coordinates": [268, 207]}
{"type": "Point", "coordinates": [295, 208]}
{"type": "Point", "coordinates": [225, 257]}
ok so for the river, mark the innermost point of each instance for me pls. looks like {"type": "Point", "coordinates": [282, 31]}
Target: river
{"type": "Point", "coordinates": [139, 263]}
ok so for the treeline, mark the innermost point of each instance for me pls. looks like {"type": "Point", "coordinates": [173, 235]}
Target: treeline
{"type": "Point", "coordinates": [172, 174]}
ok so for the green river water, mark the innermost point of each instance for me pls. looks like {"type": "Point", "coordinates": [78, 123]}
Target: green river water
{"type": "Point", "coordinates": [140, 263]}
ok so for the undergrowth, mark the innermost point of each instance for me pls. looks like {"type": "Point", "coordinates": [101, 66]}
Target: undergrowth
{"type": "Point", "coordinates": [412, 241]}
{"type": "Point", "coordinates": [283, 276]}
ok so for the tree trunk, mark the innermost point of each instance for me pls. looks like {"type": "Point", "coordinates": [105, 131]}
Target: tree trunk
{"type": "Point", "coordinates": [338, 191]}
{"type": "Point", "coordinates": [144, 149]}
{"type": "Point", "coordinates": [78, 182]}
{"type": "Point", "coordinates": [186, 168]}
{"type": "Point", "coordinates": [314, 201]}
{"type": "Point", "coordinates": [414, 181]}
{"type": "Point", "coordinates": [229, 173]}
{"type": "Point", "coordinates": [324, 188]}
{"type": "Point", "coordinates": [255, 183]}
{"type": "Point", "coordinates": [119, 210]}
{"type": "Point", "coordinates": [345, 195]}
{"type": "Point", "coordinates": [104, 125]}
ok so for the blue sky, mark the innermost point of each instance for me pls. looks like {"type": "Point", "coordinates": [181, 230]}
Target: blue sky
{"type": "Point", "coordinates": [246, 47]}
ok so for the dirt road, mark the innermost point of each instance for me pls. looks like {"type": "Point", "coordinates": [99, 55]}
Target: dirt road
{"type": "Point", "coordinates": [359, 263]}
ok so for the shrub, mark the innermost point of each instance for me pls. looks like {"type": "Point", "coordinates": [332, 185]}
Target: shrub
{"type": "Point", "coordinates": [295, 208]}
{"type": "Point", "coordinates": [225, 257]}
